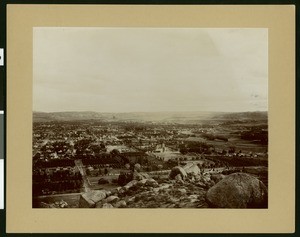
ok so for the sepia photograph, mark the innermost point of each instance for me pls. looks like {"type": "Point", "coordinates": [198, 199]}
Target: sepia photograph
{"type": "Point", "coordinates": [138, 117]}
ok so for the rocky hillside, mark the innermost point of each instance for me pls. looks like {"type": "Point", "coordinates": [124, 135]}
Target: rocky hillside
{"type": "Point", "coordinates": [148, 193]}
{"type": "Point", "coordinates": [183, 188]}
{"type": "Point", "coordinates": [237, 190]}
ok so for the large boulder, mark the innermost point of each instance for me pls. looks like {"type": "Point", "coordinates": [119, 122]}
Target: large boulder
{"type": "Point", "coordinates": [192, 169]}
{"type": "Point", "coordinates": [111, 199]}
{"type": "Point", "coordinates": [140, 175]}
{"type": "Point", "coordinates": [151, 183]}
{"type": "Point", "coordinates": [141, 182]}
{"type": "Point", "coordinates": [120, 204]}
{"type": "Point", "coordinates": [177, 170]}
{"type": "Point", "coordinates": [205, 177]}
{"type": "Point", "coordinates": [89, 199]}
{"type": "Point", "coordinates": [238, 190]}
{"type": "Point", "coordinates": [131, 184]}
{"type": "Point", "coordinates": [107, 205]}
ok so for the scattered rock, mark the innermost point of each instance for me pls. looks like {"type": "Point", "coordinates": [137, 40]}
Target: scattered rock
{"type": "Point", "coordinates": [89, 199]}
{"type": "Point", "coordinates": [107, 192]}
{"type": "Point", "coordinates": [151, 183]}
{"type": "Point", "coordinates": [191, 168]}
{"type": "Point", "coordinates": [120, 204]}
{"type": "Point", "coordinates": [238, 190]}
{"type": "Point", "coordinates": [122, 191]}
{"type": "Point", "coordinates": [178, 177]}
{"type": "Point", "coordinates": [156, 190]}
{"type": "Point", "coordinates": [197, 177]}
{"type": "Point", "coordinates": [111, 199]}
{"type": "Point", "coordinates": [107, 205]}
{"type": "Point", "coordinates": [137, 167]}
{"type": "Point", "coordinates": [192, 179]}
{"type": "Point", "coordinates": [205, 178]}
{"type": "Point", "coordinates": [217, 177]}
{"type": "Point", "coordinates": [173, 200]}
{"type": "Point", "coordinates": [61, 204]}
{"type": "Point", "coordinates": [141, 182]}
{"type": "Point", "coordinates": [97, 195]}
{"type": "Point", "coordinates": [164, 186]}
{"type": "Point", "coordinates": [181, 191]}
{"type": "Point", "coordinates": [131, 199]}
{"type": "Point", "coordinates": [140, 176]}
{"type": "Point", "coordinates": [131, 184]}
{"type": "Point", "coordinates": [201, 184]}
{"type": "Point", "coordinates": [193, 198]}
{"type": "Point", "coordinates": [116, 190]}
{"type": "Point", "coordinates": [177, 170]}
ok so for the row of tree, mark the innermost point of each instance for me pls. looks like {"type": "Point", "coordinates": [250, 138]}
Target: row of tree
{"type": "Point", "coordinates": [256, 135]}
{"type": "Point", "coordinates": [55, 176]}
{"type": "Point", "coordinates": [195, 147]}
{"type": "Point", "coordinates": [57, 186]}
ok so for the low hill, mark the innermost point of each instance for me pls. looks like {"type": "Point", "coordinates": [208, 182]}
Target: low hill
{"type": "Point", "coordinates": [176, 117]}
{"type": "Point", "coordinates": [257, 115]}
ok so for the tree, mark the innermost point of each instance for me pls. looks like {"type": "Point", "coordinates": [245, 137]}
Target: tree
{"type": "Point", "coordinates": [231, 149]}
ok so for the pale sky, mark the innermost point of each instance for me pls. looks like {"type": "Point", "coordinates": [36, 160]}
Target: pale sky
{"type": "Point", "coordinates": [150, 69]}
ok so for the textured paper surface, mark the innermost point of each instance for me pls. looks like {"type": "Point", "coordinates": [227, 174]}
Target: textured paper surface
{"type": "Point", "coordinates": [279, 217]}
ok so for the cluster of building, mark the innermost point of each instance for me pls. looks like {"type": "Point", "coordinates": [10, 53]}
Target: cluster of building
{"type": "Point", "coordinates": [114, 145]}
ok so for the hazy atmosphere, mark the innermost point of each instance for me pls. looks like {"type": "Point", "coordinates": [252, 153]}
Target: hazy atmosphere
{"type": "Point", "coordinates": [150, 118]}
{"type": "Point", "coordinates": [149, 69]}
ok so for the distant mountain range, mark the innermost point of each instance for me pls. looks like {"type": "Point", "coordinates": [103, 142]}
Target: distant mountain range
{"type": "Point", "coordinates": [149, 116]}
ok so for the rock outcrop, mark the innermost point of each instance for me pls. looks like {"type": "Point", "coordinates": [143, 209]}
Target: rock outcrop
{"type": "Point", "coordinates": [139, 175]}
{"type": "Point", "coordinates": [149, 193]}
{"type": "Point", "coordinates": [89, 199]}
{"type": "Point", "coordinates": [238, 190]}
{"type": "Point", "coordinates": [192, 169]}
{"type": "Point", "coordinates": [177, 170]}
